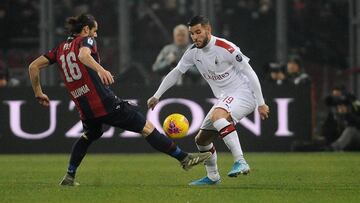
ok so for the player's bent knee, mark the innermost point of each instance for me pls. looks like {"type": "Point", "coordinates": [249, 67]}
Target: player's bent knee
{"type": "Point", "coordinates": [220, 113]}
{"type": "Point", "coordinates": [198, 139]}
{"type": "Point", "coordinates": [148, 128]}
{"type": "Point", "coordinates": [92, 137]}
{"type": "Point", "coordinates": [203, 139]}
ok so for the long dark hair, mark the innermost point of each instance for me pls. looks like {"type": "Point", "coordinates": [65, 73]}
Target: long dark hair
{"type": "Point", "coordinates": [75, 24]}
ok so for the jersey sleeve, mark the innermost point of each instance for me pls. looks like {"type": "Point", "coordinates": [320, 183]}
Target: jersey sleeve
{"type": "Point", "coordinates": [170, 79]}
{"type": "Point", "coordinates": [186, 61]}
{"type": "Point", "coordinates": [238, 57]}
{"type": "Point", "coordinates": [88, 42]}
{"type": "Point", "coordinates": [51, 55]}
{"type": "Point", "coordinates": [241, 62]}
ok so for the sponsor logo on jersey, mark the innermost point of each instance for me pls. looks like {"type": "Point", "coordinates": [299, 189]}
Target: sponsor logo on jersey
{"type": "Point", "coordinates": [216, 77]}
{"type": "Point", "coordinates": [211, 72]}
{"type": "Point", "coordinates": [80, 91]}
{"type": "Point", "coordinates": [67, 46]}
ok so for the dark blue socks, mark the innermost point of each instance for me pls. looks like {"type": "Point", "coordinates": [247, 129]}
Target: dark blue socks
{"type": "Point", "coordinates": [164, 144]}
{"type": "Point", "coordinates": [78, 153]}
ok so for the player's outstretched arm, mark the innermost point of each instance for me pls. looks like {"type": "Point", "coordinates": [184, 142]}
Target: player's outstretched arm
{"type": "Point", "coordinates": [169, 81]}
{"type": "Point", "coordinates": [34, 73]}
{"type": "Point", "coordinates": [263, 109]}
{"type": "Point", "coordinates": [85, 57]}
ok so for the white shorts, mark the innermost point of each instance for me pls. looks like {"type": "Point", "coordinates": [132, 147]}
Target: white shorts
{"type": "Point", "coordinates": [238, 105]}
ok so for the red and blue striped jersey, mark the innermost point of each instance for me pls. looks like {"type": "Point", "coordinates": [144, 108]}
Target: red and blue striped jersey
{"type": "Point", "coordinates": [92, 98]}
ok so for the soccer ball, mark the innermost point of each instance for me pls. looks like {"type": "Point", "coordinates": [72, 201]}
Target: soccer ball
{"type": "Point", "coordinates": [176, 126]}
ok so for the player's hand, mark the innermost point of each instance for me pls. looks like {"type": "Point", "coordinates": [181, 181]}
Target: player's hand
{"type": "Point", "coordinates": [152, 102]}
{"type": "Point", "coordinates": [264, 111]}
{"type": "Point", "coordinates": [43, 99]}
{"type": "Point", "coordinates": [106, 77]}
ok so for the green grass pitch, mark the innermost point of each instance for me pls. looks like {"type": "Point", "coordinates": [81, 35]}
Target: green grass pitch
{"type": "Point", "coordinates": [275, 177]}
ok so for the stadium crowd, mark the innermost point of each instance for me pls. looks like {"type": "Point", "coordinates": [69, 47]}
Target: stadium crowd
{"type": "Point", "coordinates": [241, 21]}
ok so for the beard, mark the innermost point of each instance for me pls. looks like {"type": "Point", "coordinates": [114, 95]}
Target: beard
{"type": "Point", "coordinates": [205, 42]}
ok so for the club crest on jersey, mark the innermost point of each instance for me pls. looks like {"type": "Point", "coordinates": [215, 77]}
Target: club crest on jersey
{"type": "Point", "coordinates": [90, 41]}
{"type": "Point", "coordinates": [239, 58]}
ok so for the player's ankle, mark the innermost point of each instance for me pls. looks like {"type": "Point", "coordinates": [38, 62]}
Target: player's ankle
{"type": "Point", "coordinates": [214, 176]}
{"type": "Point", "coordinates": [71, 174]}
{"type": "Point", "coordinates": [240, 159]}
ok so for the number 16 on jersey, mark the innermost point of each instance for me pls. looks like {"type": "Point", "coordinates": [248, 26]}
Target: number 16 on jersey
{"type": "Point", "coordinates": [70, 66]}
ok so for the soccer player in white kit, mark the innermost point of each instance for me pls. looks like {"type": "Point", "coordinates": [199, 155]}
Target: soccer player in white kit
{"type": "Point", "coordinates": [234, 84]}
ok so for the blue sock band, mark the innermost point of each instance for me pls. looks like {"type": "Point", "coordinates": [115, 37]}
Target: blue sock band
{"type": "Point", "coordinates": [72, 169]}
{"type": "Point", "coordinates": [176, 152]}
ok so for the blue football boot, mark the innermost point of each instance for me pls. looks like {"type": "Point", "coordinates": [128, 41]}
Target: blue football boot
{"type": "Point", "coordinates": [205, 181]}
{"type": "Point", "coordinates": [239, 167]}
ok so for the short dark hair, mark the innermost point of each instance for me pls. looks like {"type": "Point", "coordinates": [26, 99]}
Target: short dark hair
{"type": "Point", "coordinates": [75, 24]}
{"type": "Point", "coordinates": [295, 60]}
{"type": "Point", "coordinates": [199, 19]}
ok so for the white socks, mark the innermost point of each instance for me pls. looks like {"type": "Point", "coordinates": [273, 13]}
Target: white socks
{"type": "Point", "coordinates": [210, 164]}
{"type": "Point", "coordinates": [228, 133]}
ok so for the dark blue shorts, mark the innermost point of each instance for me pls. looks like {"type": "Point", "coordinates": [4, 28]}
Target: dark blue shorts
{"type": "Point", "coordinates": [126, 117]}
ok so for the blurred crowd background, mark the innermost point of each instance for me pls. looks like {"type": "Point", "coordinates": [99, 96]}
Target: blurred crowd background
{"type": "Point", "coordinates": [293, 41]}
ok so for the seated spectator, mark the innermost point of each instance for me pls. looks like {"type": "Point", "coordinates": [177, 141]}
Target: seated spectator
{"type": "Point", "coordinates": [348, 112]}
{"type": "Point", "coordinates": [338, 92]}
{"type": "Point", "coordinates": [338, 102]}
{"type": "Point", "coordinates": [295, 72]}
{"type": "Point", "coordinates": [331, 128]}
{"type": "Point", "coordinates": [171, 54]}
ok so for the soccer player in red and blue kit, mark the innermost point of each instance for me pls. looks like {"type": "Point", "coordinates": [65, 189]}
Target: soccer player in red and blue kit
{"type": "Point", "coordinates": [88, 84]}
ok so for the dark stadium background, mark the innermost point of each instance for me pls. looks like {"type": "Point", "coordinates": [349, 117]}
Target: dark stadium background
{"type": "Point", "coordinates": [131, 33]}
{"type": "Point", "coordinates": [35, 142]}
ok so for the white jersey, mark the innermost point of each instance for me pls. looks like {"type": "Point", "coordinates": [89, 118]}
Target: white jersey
{"type": "Point", "coordinates": [223, 66]}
